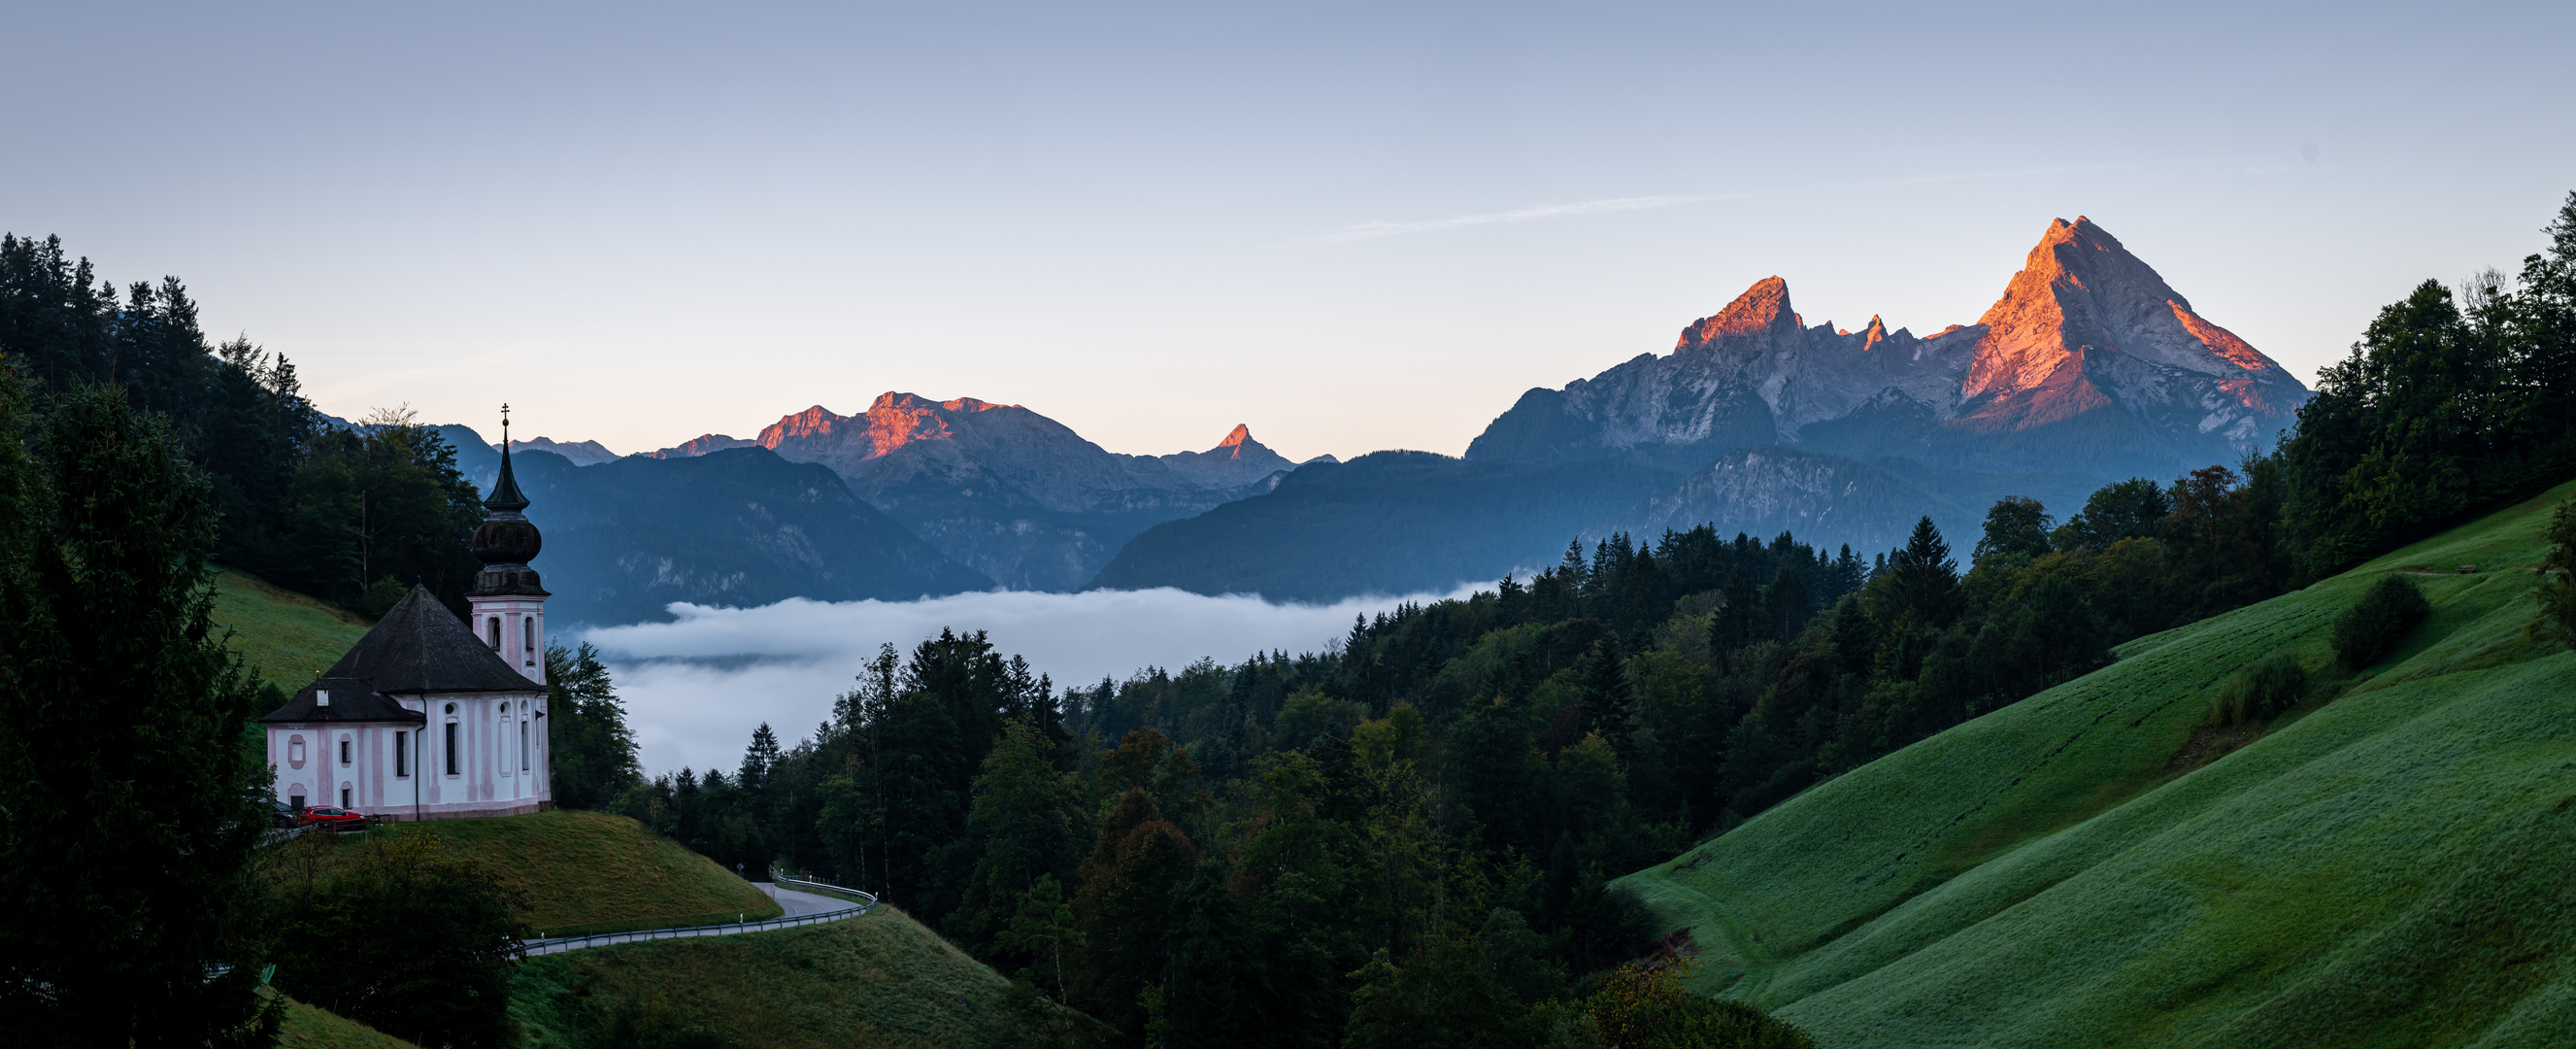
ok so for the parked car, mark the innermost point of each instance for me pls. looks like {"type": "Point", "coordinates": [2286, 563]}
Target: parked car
{"type": "Point", "coordinates": [330, 818]}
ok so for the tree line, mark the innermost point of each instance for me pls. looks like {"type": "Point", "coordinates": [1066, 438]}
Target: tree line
{"type": "Point", "coordinates": [353, 514]}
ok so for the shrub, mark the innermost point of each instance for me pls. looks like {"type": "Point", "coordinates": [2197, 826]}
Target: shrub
{"type": "Point", "coordinates": [2558, 578]}
{"type": "Point", "coordinates": [2261, 691]}
{"type": "Point", "coordinates": [2375, 625]}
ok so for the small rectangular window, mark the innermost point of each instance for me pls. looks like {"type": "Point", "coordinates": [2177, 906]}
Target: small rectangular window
{"type": "Point", "coordinates": [344, 797]}
{"type": "Point", "coordinates": [402, 756]}
{"type": "Point", "coordinates": [528, 652]}
{"type": "Point", "coordinates": [344, 750]}
{"type": "Point", "coordinates": [451, 745]}
{"type": "Point", "coordinates": [496, 633]}
{"type": "Point", "coordinates": [523, 746]}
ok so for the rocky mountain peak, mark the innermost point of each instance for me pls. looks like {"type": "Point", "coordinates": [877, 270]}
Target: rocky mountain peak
{"type": "Point", "coordinates": [2080, 290]}
{"type": "Point", "coordinates": [1237, 437]}
{"type": "Point", "coordinates": [1764, 307]}
{"type": "Point", "coordinates": [701, 445]}
{"type": "Point", "coordinates": [2086, 340]}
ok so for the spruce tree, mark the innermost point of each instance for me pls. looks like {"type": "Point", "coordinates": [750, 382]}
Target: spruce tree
{"type": "Point", "coordinates": [129, 805]}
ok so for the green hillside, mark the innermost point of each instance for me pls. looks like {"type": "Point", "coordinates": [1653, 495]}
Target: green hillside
{"type": "Point", "coordinates": [2387, 865]}
{"type": "Point", "coordinates": [288, 637]}
{"type": "Point", "coordinates": [312, 1027]}
{"type": "Point", "coordinates": [879, 980]}
{"type": "Point", "coordinates": [591, 870]}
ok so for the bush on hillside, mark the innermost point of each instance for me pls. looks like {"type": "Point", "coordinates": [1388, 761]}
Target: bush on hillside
{"type": "Point", "coordinates": [398, 934]}
{"type": "Point", "coordinates": [2262, 691]}
{"type": "Point", "coordinates": [2375, 625]}
{"type": "Point", "coordinates": [2558, 578]}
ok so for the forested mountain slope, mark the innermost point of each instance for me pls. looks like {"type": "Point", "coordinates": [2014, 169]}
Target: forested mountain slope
{"type": "Point", "coordinates": [1386, 523]}
{"type": "Point", "coordinates": [2386, 865]}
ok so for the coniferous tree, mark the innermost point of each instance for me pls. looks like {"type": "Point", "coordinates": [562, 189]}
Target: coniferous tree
{"type": "Point", "coordinates": [595, 761]}
{"type": "Point", "coordinates": [131, 807]}
{"type": "Point", "coordinates": [1025, 824]}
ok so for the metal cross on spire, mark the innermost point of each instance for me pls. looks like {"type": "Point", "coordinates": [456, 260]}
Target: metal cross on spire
{"type": "Point", "coordinates": [505, 424]}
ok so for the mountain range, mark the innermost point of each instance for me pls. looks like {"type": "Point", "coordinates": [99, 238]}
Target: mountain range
{"type": "Point", "coordinates": [2089, 367]}
{"type": "Point", "coordinates": [2088, 362]}
{"type": "Point", "coordinates": [1006, 491]}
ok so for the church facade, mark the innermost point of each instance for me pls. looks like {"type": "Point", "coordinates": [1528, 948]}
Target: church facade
{"type": "Point", "coordinates": [429, 716]}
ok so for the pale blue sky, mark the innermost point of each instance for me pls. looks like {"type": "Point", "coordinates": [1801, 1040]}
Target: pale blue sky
{"type": "Point", "coordinates": [1350, 227]}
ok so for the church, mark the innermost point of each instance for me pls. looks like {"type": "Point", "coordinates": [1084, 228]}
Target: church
{"type": "Point", "coordinates": [429, 717]}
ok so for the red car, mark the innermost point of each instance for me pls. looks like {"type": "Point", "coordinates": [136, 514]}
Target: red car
{"type": "Point", "coordinates": [333, 819]}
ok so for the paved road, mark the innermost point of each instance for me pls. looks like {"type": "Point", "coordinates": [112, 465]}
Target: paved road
{"type": "Point", "coordinates": [798, 904]}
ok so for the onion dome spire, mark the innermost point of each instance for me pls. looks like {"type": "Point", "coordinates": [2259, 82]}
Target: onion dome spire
{"type": "Point", "coordinates": [507, 540]}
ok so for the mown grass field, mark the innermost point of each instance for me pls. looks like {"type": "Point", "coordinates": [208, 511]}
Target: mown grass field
{"type": "Point", "coordinates": [312, 1027]}
{"type": "Point", "coordinates": [878, 980]}
{"type": "Point", "coordinates": [2386, 865]}
{"type": "Point", "coordinates": [288, 637]}
{"type": "Point", "coordinates": [590, 869]}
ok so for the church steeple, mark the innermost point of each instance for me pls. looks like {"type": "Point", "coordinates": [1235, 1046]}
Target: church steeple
{"type": "Point", "coordinates": [505, 492]}
{"type": "Point", "coordinates": [509, 604]}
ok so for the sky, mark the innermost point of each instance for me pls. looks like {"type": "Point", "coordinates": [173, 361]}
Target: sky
{"type": "Point", "coordinates": [1351, 227]}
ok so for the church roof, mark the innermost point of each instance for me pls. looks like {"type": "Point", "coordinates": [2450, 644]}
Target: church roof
{"type": "Point", "coordinates": [420, 646]}
{"type": "Point", "coordinates": [352, 699]}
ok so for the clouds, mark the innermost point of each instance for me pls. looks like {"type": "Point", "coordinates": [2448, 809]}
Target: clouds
{"type": "Point", "coordinates": [1533, 213]}
{"type": "Point", "coordinates": [695, 688]}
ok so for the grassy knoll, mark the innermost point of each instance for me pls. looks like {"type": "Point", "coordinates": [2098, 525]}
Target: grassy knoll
{"type": "Point", "coordinates": [288, 637]}
{"type": "Point", "coordinates": [2386, 865]}
{"type": "Point", "coordinates": [584, 869]}
{"type": "Point", "coordinates": [880, 980]}
{"type": "Point", "coordinates": [311, 1027]}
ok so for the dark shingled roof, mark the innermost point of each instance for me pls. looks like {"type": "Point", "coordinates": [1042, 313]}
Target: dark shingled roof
{"type": "Point", "coordinates": [351, 700]}
{"type": "Point", "coordinates": [420, 646]}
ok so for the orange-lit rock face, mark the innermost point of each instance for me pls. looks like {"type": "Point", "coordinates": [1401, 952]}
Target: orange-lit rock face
{"type": "Point", "coordinates": [2080, 290]}
{"type": "Point", "coordinates": [892, 421]}
{"type": "Point", "coordinates": [1235, 439]}
{"type": "Point", "coordinates": [2221, 341]}
{"type": "Point", "coordinates": [1762, 307]}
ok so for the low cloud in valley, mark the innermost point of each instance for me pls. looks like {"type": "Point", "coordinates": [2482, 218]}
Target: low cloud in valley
{"type": "Point", "coordinates": [695, 688]}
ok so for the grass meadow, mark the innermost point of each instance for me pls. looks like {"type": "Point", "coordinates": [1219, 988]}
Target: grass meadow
{"type": "Point", "coordinates": [2384, 865]}
{"type": "Point", "coordinates": [594, 871]}
{"type": "Point", "coordinates": [288, 637]}
{"type": "Point", "coordinates": [878, 980]}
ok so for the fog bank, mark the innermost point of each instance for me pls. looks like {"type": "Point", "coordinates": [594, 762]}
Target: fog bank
{"type": "Point", "coordinates": [695, 688]}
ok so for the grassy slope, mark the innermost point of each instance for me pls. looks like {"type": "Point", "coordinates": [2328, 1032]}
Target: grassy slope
{"type": "Point", "coordinates": [2047, 876]}
{"type": "Point", "coordinates": [879, 980]}
{"type": "Point", "coordinates": [288, 637]}
{"type": "Point", "coordinates": [312, 1027]}
{"type": "Point", "coordinates": [592, 868]}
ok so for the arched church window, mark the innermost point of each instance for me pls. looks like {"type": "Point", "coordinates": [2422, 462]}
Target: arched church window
{"type": "Point", "coordinates": [528, 652]}
{"type": "Point", "coordinates": [344, 750]}
{"type": "Point", "coordinates": [523, 745]}
{"type": "Point", "coordinates": [451, 748]}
